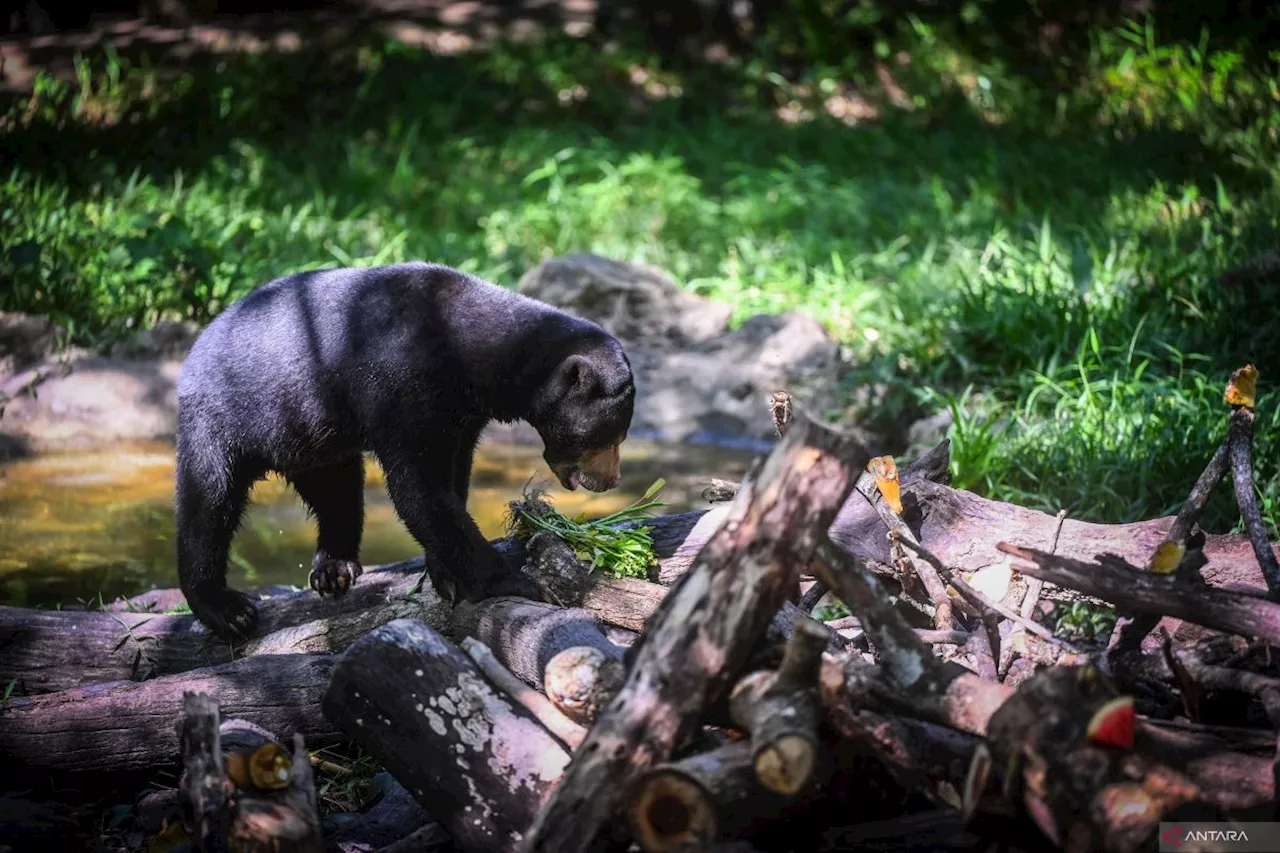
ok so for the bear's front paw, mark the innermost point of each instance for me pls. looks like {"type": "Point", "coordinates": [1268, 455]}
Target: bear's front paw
{"type": "Point", "coordinates": [229, 614]}
{"type": "Point", "coordinates": [330, 576]}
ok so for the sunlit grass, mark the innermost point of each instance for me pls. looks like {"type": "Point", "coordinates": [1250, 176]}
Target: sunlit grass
{"type": "Point", "coordinates": [1058, 256]}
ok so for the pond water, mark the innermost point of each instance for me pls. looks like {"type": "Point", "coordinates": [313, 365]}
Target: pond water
{"type": "Point", "coordinates": [76, 526]}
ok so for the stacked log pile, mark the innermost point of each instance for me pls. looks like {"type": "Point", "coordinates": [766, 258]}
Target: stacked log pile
{"type": "Point", "coordinates": [712, 707]}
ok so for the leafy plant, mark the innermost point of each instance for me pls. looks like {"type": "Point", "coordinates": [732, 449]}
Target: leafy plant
{"type": "Point", "coordinates": [619, 542]}
{"type": "Point", "coordinates": [1085, 621]}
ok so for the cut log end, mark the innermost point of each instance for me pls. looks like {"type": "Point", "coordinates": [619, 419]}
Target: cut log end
{"type": "Point", "coordinates": [786, 764]}
{"type": "Point", "coordinates": [581, 681]}
{"type": "Point", "coordinates": [672, 812]}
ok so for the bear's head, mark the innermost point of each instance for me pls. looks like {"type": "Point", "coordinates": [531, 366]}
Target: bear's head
{"type": "Point", "coordinates": [583, 413]}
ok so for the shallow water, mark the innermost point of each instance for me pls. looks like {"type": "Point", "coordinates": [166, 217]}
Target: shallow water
{"type": "Point", "coordinates": [76, 526]}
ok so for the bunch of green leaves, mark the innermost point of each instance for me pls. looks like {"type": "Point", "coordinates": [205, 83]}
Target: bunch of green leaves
{"type": "Point", "coordinates": [617, 542]}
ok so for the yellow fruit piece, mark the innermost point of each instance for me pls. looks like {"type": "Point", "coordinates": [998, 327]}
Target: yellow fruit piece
{"type": "Point", "coordinates": [1243, 387]}
{"type": "Point", "coordinates": [885, 470]}
{"type": "Point", "coordinates": [1166, 558]}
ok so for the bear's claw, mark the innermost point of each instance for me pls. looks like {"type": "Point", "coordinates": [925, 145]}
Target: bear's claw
{"type": "Point", "coordinates": [330, 576]}
{"type": "Point", "coordinates": [227, 613]}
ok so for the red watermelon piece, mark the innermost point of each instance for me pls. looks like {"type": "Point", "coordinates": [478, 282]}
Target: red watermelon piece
{"type": "Point", "coordinates": [1112, 724]}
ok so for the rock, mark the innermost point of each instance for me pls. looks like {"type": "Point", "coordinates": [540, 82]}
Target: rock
{"type": "Point", "coordinates": [641, 306]}
{"type": "Point", "coordinates": [88, 401]}
{"type": "Point", "coordinates": [26, 339]}
{"type": "Point", "coordinates": [166, 339]}
{"type": "Point", "coordinates": [927, 432]}
{"type": "Point", "coordinates": [696, 379]}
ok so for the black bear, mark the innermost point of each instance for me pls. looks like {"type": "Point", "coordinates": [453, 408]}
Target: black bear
{"type": "Point", "coordinates": [407, 361]}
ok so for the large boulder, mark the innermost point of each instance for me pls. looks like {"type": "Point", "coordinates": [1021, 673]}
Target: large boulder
{"type": "Point", "coordinates": [25, 339]}
{"type": "Point", "coordinates": [696, 379]}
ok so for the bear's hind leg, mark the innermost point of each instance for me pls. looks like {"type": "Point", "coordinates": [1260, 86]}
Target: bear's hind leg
{"type": "Point", "coordinates": [209, 501]}
{"type": "Point", "coordinates": [335, 495]}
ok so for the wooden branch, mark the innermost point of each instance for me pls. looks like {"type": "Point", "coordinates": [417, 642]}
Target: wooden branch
{"type": "Point", "coordinates": [1081, 795]}
{"type": "Point", "coordinates": [677, 539]}
{"type": "Point", "coordinates": [690, 804]}
{"type": "Point", "coordinates": [927, 571]}
{"type": "Point", "coordinates": [526, 635]}
{"type": "Point", "coordinates": [1189, 513]}
{"type": "Point", "coordinates": [206, 787]}
{"type": "Point", "coordinates": [1240, 436]}
{"type": "Point", "coordinates": [810, 599]}
{"type": "Point", "coordinates": [478, 762]}
{"type": "Point", "coordinates": [921, 756]}
{"type": "Point", "coordinates": [569, 732]}
{"type": "Point", "coordinates": [780, 710]}
{"type": "Point", "coordinates": [704, 631]}
{"type": "Point", "coordinates": [581, 681]}
{"type": "Point", "coordinates": [112, 728]}
{"type": "Point", "coordinates": [233, 805]}
{"type": "Point", "coordinates": [1131, 588]}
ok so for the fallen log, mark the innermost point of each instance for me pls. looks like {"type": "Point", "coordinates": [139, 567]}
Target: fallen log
{"type": "Point", "coordinates": [692, 803]}
{"type": "Point", "coordinates": [704, 631]}
{"type": "Point", "coordinates": [581, 681]}
{"type": "Point", "coordinates": [48, 650]}
{"type": "Point", "coordinates": [252, 797]}
{"type": "Point", "coordinates": [470, 756]}
{"type": "Point", "coordinates": [124, 726]}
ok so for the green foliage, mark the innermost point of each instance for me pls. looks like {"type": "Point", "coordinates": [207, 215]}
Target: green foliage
{"type": "Point", "coordinates": [618, 542]}
{"type": "Point", "coordinates": [1083, 620]}
{"type": "Point", "coordinates": [1042, 254]}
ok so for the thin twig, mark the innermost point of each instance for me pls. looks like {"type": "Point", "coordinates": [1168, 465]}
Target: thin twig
{"type": "Point", "coordinates": [973, 594]}
{"type": "Point", "coordinates": [943, 620]}
{"type": "Point", "coordinates": [1035, 586]}
{"type": "Point", "coordinates": [1240, 436]}
{"type": "Point", "coordinates": [810, 599]}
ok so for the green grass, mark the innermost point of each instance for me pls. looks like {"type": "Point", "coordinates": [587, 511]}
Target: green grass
{"type": "Point", "coordinates": [1045, 259]}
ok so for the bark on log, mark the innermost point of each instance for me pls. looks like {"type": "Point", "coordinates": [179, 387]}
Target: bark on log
{"type": "Point", "coordinates": [704, 631]}
{"type": "Point", "coordinates": [692, 803]}
{"type": "Point", "coordinates": [111, 728]}
{"type": "Point", "coordinates": [480, 763]}
{"type": "Point", "coordinates": [231, 810]}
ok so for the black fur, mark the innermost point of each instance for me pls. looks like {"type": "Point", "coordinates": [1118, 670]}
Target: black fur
{"type": "Point", "coordinates": [410, 362]}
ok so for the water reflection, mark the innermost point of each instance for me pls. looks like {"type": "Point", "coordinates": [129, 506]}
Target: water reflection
{"type": "Point", "coordinates": [78, 525]}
